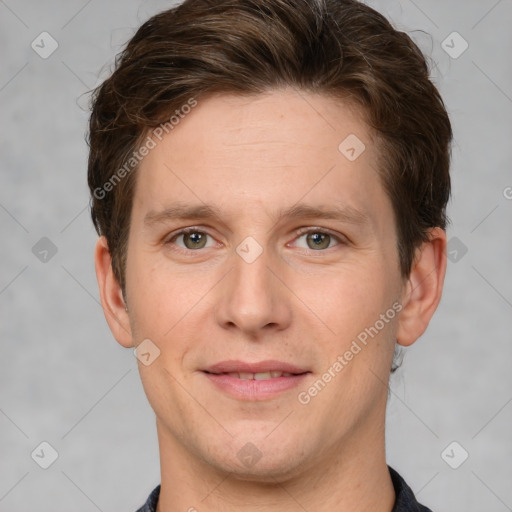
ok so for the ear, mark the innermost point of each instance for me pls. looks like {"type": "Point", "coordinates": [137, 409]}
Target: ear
{"type": "Point", "coordinates": [111, 295]}
{"type": "Point", "coordinates": [423, 289]}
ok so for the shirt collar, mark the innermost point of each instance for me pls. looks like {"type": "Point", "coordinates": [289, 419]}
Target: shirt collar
{"type": "Point", "coordinates": [405, 500]}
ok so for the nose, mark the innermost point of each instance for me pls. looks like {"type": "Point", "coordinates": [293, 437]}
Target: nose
{"type": "Point", "coordinates": [253, 298]}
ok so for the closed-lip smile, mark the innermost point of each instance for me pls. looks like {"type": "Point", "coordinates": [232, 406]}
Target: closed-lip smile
{"type": "Point", "coordinates": [255, 381]}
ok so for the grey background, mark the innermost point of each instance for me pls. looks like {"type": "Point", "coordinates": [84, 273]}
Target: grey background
{"type": "Point", "coordinates": [64, 380]}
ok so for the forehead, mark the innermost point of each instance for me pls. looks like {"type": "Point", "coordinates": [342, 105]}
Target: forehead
{"type": "Point", "coordinates": [267, 151]}
{"type": "Point", "coordinates": [282, 119]}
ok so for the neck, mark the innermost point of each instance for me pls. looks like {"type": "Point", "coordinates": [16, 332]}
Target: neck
{"type": "Point", "coordinates": [352, 476]}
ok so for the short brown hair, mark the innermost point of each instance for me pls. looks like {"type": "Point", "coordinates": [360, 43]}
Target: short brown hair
{"type": "Point", "coordinates": [340, 48]}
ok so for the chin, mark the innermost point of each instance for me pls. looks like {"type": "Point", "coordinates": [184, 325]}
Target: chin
{"type": "Point", "coordinates": [270, 471]}
{"type": "Point", "coordinates": [262, 461]}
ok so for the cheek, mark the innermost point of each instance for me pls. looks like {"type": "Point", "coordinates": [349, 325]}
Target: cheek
{"type": "Point", "coordinates": [352, 296]}
{"type": "Point", "coordinates": [351, 305]}
{"type": "Point", "coordinates": [155, 299]}
{"type": "Point", "coordinates": [168, 306]}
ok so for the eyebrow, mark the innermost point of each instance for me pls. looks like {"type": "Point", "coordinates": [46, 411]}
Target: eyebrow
{"type": "Point", "coordinates": [344, 213]}
{"type": "Point", "coordinates": [181, 211]}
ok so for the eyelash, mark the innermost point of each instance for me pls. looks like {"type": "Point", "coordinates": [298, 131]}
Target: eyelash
{"type": "Point", "coordinates": [300, 232]}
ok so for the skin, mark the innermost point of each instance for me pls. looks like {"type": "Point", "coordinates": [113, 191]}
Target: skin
{"type": "Point", "coordinates": [251, 157]}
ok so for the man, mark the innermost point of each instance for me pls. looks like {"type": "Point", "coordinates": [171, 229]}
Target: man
{"type": "Point", "coordinates": [269, 180]}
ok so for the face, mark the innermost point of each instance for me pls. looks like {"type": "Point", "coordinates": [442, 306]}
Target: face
{"type": "Point", "coordinates": [260, 307]}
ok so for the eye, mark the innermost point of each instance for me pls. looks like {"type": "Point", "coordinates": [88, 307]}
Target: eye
{"type": "Point", "coordinates": [317, 239]}
{"type": "Point", "coordinates": [191, 239]}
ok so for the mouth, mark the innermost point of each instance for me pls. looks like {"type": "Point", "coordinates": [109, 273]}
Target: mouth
{"type": "Point", "coordinates": [257, 376]}
{"type": "Point", "coordinates": [255, 381]}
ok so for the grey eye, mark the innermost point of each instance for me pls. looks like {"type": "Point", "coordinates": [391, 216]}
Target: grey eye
{"type": "Point", "coordinates": [316, 240]}
{"type": "Point", "coordinates": [194, 239]}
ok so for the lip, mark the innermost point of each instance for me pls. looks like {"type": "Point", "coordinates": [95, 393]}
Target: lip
{"type": "Point", "coordinates": [254, 390]}
{"type": "Point", "coordinates": [270, 365]}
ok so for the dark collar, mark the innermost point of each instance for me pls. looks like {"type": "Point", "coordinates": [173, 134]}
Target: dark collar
{"type": "Point", "coordinates": [405, 500]}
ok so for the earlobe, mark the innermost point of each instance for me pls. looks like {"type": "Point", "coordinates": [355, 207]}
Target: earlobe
{"type": "Point", "coordinates": [424, 287]}
{"type": "Point", "coordinates": [111, 295]}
